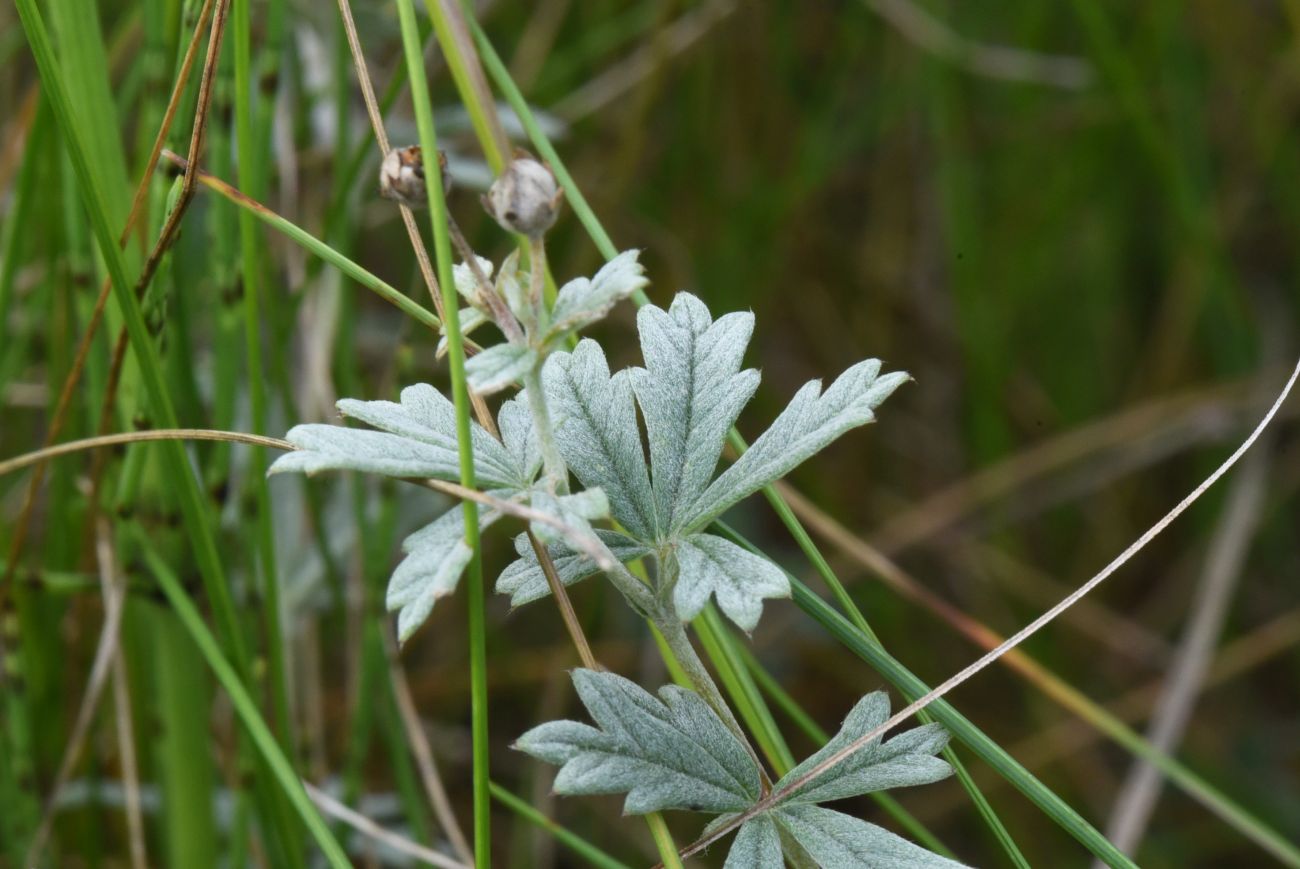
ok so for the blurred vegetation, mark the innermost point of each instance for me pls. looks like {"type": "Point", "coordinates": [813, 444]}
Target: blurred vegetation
{"type": "Point", "coordinates": [1073, 223]}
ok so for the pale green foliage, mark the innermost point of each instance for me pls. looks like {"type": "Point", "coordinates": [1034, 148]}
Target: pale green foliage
{"type": "Point", "coordinates": [582, 302]}
{"type": "Point", "coordinates": [524, 581]}
{"type": "Point", "coordinates": [667, 753]}
{"type": "Point", "coordinates": [597, 430]}
{"type": "Point", "coordinates": [690, 393]}
{"type": "Point", "coordinates": [499, 366]}
{"type": "Point", "coordinates": [757, 846]}
{"type": "Point", "coordinates": [436, 557]}
{"type": "Point", "coordinates": [903, 761]}
{"type": "Point", "coordinates": [418, 439]}
{"type": "Point", "coordinates": [736, 577]}
{"type": "Point", "coordinates": [811, 422]}
{"type": "Point", "coordinates": [673, 752]}
{"type": "Point", "coordinates": [839, 841]}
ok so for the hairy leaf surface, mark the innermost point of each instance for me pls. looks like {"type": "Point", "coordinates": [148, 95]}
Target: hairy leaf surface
{"type": "Point", "coordinates": [584, 301]}
{"type": "Point", "coordinates": [811, 421]}
{"type": "Point", "coordinates": [739, 579]}
{"type": "Point", "coordinates": [499, 366]}
{"type": "Point", "coordinates": [670, 752]}
{"type": "Point", "coordinates": [839, 841]}
{"type": "Point", "coordinates": [757, 846]}
{"type": "Point", "coordinates": [598, 435]}
{"type": "Point", "coordinates": [418, 439]}
{"type": "Point", "coordinates": [436, 557]}
{"type": "Point", "coordinates": [524, 581]}
{"type": "Point", "coordinates": [903, 761]}
{"type": "Point", "coordinates": [690, 392]}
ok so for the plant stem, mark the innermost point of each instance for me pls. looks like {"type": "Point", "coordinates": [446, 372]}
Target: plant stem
{"type": "Point", "coordinates": [557, 473]}
{"type": "Point", "coordinates": [460, 396]}
{"type": "Point", "coordinates": [311, 243]}
{"type": "Point", "coordinates": [499, 310]}
{"type": "Point", "coordinates": [663, 840]}
{"type": "Point", "coordinates": [537, 277]}
{"type": "Point", "coordinates": [674, 634]}
{"type": "Point", "coordinates": [588, 851]}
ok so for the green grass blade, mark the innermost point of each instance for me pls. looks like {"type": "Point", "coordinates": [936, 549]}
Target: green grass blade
{"type": "Point", "coordinates": [245, 707]}
{"type": "Point", "coordinates": [182, 706]}
{"type": "Point", "coordinates": [817, 734]}
{"type": "Point", "coordinates": [179, 474]}
{"type": "Point", "coordinates": [315, 246]}
{"type": "Point", "coordinates": [146, 353]}
{"type": "Point", "coordinates": [460, 395]}
{"type": "Point", "coordinates": [823, 568]}
{"type": "Point", "coordinates": [249, 158]}
{"type": "Point", "coordinates": [576, 843]}
{"type": "Point", "coordinates": [912, 687]}
{"type": "Point", "coordinates": [465, 72]}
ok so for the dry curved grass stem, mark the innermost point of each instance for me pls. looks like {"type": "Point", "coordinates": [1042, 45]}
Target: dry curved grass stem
{"type": "Point", "coordinates": [776, 797]}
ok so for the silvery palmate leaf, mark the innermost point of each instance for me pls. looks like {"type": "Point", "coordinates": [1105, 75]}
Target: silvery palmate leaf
{"type": "Point", "coordinates": [904, 760]}
{"type": "Point", "coordinates": [436, 556]}
{"type": "Point", "coordinates": [669, 752]}
{"type": "Point", "coordinates": [810, 422]}
{"type": "Point", "coordinates": [419, 440]}
{"type": "Point", "coordinates": [690, 392]}
{"type": "Point", "coordinates": [499, 367]}
{"type": "Point", "coordinates": [757, 845]}
{"type": "Point", "coordinates": [709, 566]}
{"type": "Point", "coordinates": [839, 841]}
{"type": "Point", "coordinates": [597, 433]}
{"type": "Point", "coordinates": [524, 581]}
{"type": "Point", "coordinates": [673, 752]}
{"type": "Point", "coordinates": [583, 301]}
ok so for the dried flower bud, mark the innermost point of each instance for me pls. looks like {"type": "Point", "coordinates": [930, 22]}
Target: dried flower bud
{"type": "Point", "coordinates": [401, 176]}
{"type": "Point", "coordinates": [525, 199]}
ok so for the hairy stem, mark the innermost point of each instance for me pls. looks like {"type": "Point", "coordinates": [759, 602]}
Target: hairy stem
{"type": "Point", "coordinates": [674, 633]}
{"type": "Point", "coordinates": [557, 473]}
{"type": "Point", "coordinates": [498, 310]}
{"type": "Point", "coordinates": [537, 278]}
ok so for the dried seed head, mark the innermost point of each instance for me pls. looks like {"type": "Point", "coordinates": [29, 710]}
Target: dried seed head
{"type": "Point", "coordinates": [401, 176]}
{"type": "Point", "coordinates": [526, 198]}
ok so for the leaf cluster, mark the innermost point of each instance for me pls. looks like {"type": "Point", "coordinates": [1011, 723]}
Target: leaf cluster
{"type": "Point", "coordinates": [689, 393]}
{"type": "Point", "coordinates": [673, 752]}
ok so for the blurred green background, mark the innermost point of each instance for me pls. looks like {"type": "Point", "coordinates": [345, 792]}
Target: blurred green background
{"type": "Point", "coordinates": [1074, 223]}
